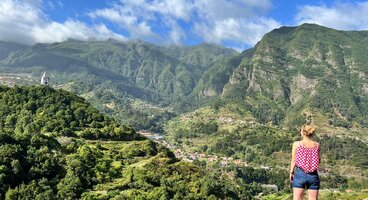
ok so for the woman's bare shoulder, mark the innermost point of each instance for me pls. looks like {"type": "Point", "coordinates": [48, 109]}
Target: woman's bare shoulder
{"type": "Point", "coordinates": [316, 143]}
{"type": "Point", "coordinates": [296, 143]}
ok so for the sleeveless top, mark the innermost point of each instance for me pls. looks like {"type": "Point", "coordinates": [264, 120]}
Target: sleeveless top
{"type": "Point", "coordinates": [307, 158]}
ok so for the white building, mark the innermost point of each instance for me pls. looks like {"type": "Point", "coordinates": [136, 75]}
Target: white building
{"type": "Point", "coordinates": [45, 80]}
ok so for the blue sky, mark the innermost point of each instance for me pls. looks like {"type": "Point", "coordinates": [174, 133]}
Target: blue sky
{"type": "Point", "coordinates": [238, 24]}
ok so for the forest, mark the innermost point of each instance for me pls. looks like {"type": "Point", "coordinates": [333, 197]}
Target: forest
{"type": "Point", "coordinates": [54, 145]}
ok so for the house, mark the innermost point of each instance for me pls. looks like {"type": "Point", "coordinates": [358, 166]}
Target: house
{"type": "Point", "coordinates": [45, 80]}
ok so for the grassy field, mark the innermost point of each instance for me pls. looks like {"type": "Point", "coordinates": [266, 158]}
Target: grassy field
{"type": "Point", "coordinates": [324, 195]}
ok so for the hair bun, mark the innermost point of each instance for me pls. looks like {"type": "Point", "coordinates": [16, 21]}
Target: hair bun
{"type": "Point", "coordinates": [309, 130]}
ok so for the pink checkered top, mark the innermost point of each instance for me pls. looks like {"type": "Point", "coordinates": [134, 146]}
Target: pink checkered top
{"type": "Point", "coordinates": [307, 158]}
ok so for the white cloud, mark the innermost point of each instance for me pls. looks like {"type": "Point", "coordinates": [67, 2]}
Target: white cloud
{"type": "Point", "coordinates": [343, 16]}
{"type": "Point", "coordinates": [261, 4]}
{"type": "Point", "coordinates": [139, 17]}
{"type": "Point", "coordinates": [239, 21]}
{"type": "Point", "coordinates": [236, 21]}
{"type": "Point", "coordinates": [25, 22]}
{"type": "Point", "coordinates": [242, 31]}
{"type": "Point", "coordinates": [176, 8]}
{"type": "Point", "coordinates": [126, 19]}
{"type": "Point", "coordinates": [242, 22]}
{"type": "Point", "coordinates": [176, 34]}
{"type": "Point", "coordinates": [57, 32]}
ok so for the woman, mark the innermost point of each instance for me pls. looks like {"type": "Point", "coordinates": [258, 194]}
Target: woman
{"type": "Point", "coordinates": [305, 158]}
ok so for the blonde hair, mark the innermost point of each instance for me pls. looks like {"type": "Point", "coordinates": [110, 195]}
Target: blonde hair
{"type": "Point", "coordinates": [308, 130]}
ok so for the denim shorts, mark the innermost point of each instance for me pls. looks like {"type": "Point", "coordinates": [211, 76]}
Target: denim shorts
{"type": "Point", "coordinates": [304, 180]}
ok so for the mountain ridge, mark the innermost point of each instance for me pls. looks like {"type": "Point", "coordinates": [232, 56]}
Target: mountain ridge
{"type": "Point", "coordinates": [245, 106]}
{"type": "Point", "coordinates": [132, 70]}
{"type": "Point", "coordinates": [281, 63]}
{"type": "Point", "coordinates": [130, 62]}
{"type": "Point", "coordinates": [287, 65]}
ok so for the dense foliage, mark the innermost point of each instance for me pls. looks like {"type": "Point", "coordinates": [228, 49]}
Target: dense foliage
{"type": "Point", "coordinates": [257, 101]}
{"type": "Point", "coordinates": [118, 73]}
{"type": "Point", "coordinates": [41, 109]}
{"type": "Point", "coordinates": [309, 67]}
{"type": "Point", "coordinates": [83, 154]}
{"type": "Point", "coordinates": [31, 164]}
{"type": "Point", "coordinates": [292, 69]}
{"type": "Point", "coordinates": [238, 136]}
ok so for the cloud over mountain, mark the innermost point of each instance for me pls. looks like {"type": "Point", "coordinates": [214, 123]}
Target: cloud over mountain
{"type": "Point", "coordinates": [238, 24]}
{"type": "Point", "coordinates": [343, 16]}
{"type": "Point", "coordinates": [239, 21]}
{"type": "Point", "coordinates": [25, 22]}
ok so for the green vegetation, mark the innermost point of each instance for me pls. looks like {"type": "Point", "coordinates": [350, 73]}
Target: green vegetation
{"type": "Point", "coordinates": [296, 69]}
{"type": "Point", "coordinates": [116, 73]}
{"type": "Point", "coordinates": [245, 106]}
{"type": "Point", "coordinates": [238, 136]}
{"type": "Point", "coordinates": [54, 145]}
{"type": "Point", "coordinates": [41, 109]}
{"type": "Point", "coordinates": [291, 70]}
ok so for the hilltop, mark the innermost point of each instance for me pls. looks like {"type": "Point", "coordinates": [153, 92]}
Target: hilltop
{"type": "Point", "coordinates": [54, 145]}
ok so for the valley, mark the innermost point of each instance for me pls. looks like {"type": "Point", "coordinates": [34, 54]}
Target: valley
{"type": "Point", "coordinates": [209, 109]}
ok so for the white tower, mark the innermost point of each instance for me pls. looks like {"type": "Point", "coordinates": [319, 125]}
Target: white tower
{"type": "Point", "coordinates": [44, 79]}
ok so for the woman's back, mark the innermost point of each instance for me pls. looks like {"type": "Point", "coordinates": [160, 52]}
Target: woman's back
{"type": "Point", "coordinates": [308, 144]}
{"type": "Point", "coordinates": [304, 164]}
{"type": "Point", "coordinates": [307, 156]}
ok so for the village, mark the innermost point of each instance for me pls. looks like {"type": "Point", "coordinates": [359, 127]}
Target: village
{"type": "Point", "coordinates": [185, 155]}
{"type": "Point", "coordinates": [192, 156]}
{"type": "Point", "coordinates": [10, 79]}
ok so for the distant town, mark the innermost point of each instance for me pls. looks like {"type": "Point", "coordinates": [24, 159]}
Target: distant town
{"type": "Point", "coordinates": [10, 79]}
{"type": "Point", "coordinates": [191, 156]}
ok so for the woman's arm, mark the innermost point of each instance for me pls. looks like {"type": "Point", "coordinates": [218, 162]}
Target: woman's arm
{"type": "Point", "coordinates": [319, 154]}
{"type": "Point", "coordinates": [292, 162]}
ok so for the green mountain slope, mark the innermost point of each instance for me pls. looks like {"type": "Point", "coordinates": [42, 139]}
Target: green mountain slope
{"type": "Point", "coordinates": [294, 75]}
{"type": "Point", "coordinates": [296, 70]}
{"type": "Point", "coordinates": [166, 75]}
{"type": "Point", "coordinates": [254, 102]}
{"type": "Point", "coordinates": [232, 135]}
{"type": "Point", "coordinates": [291, 72]}
{"type": "Point", "coordinates": [122, 73]}
{"type": "Point", "coordinates": [54, 145]}
{"type": "Point", "coordinates": [6, 48]}
{"type": "Point", "coordinates": [211, 84]}
{"type": "Point", "coordinates": [44, 110]}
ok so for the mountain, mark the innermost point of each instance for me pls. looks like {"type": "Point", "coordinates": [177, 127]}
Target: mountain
{"type": "Point", "coordinates": [296, 71]}
{"type": "Point", "coordinates": [291, 73]}
{"type": "Point", "coordinates": [294, 75]}
{"type": "Point", "coordinates": [211, 84]}
{"type": "Point", "coordinates": [6, 48]}
{"type": "Point", "coordinates": [54, 145]}
{"type": "Point", "coordinates": [118, 74]}
{"type": "Point", "coordinates": [164, 73]}
{"type": "Point", "coordinates": [239, 112]}
{"type": "Point", "coordinates": [308, 73]}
